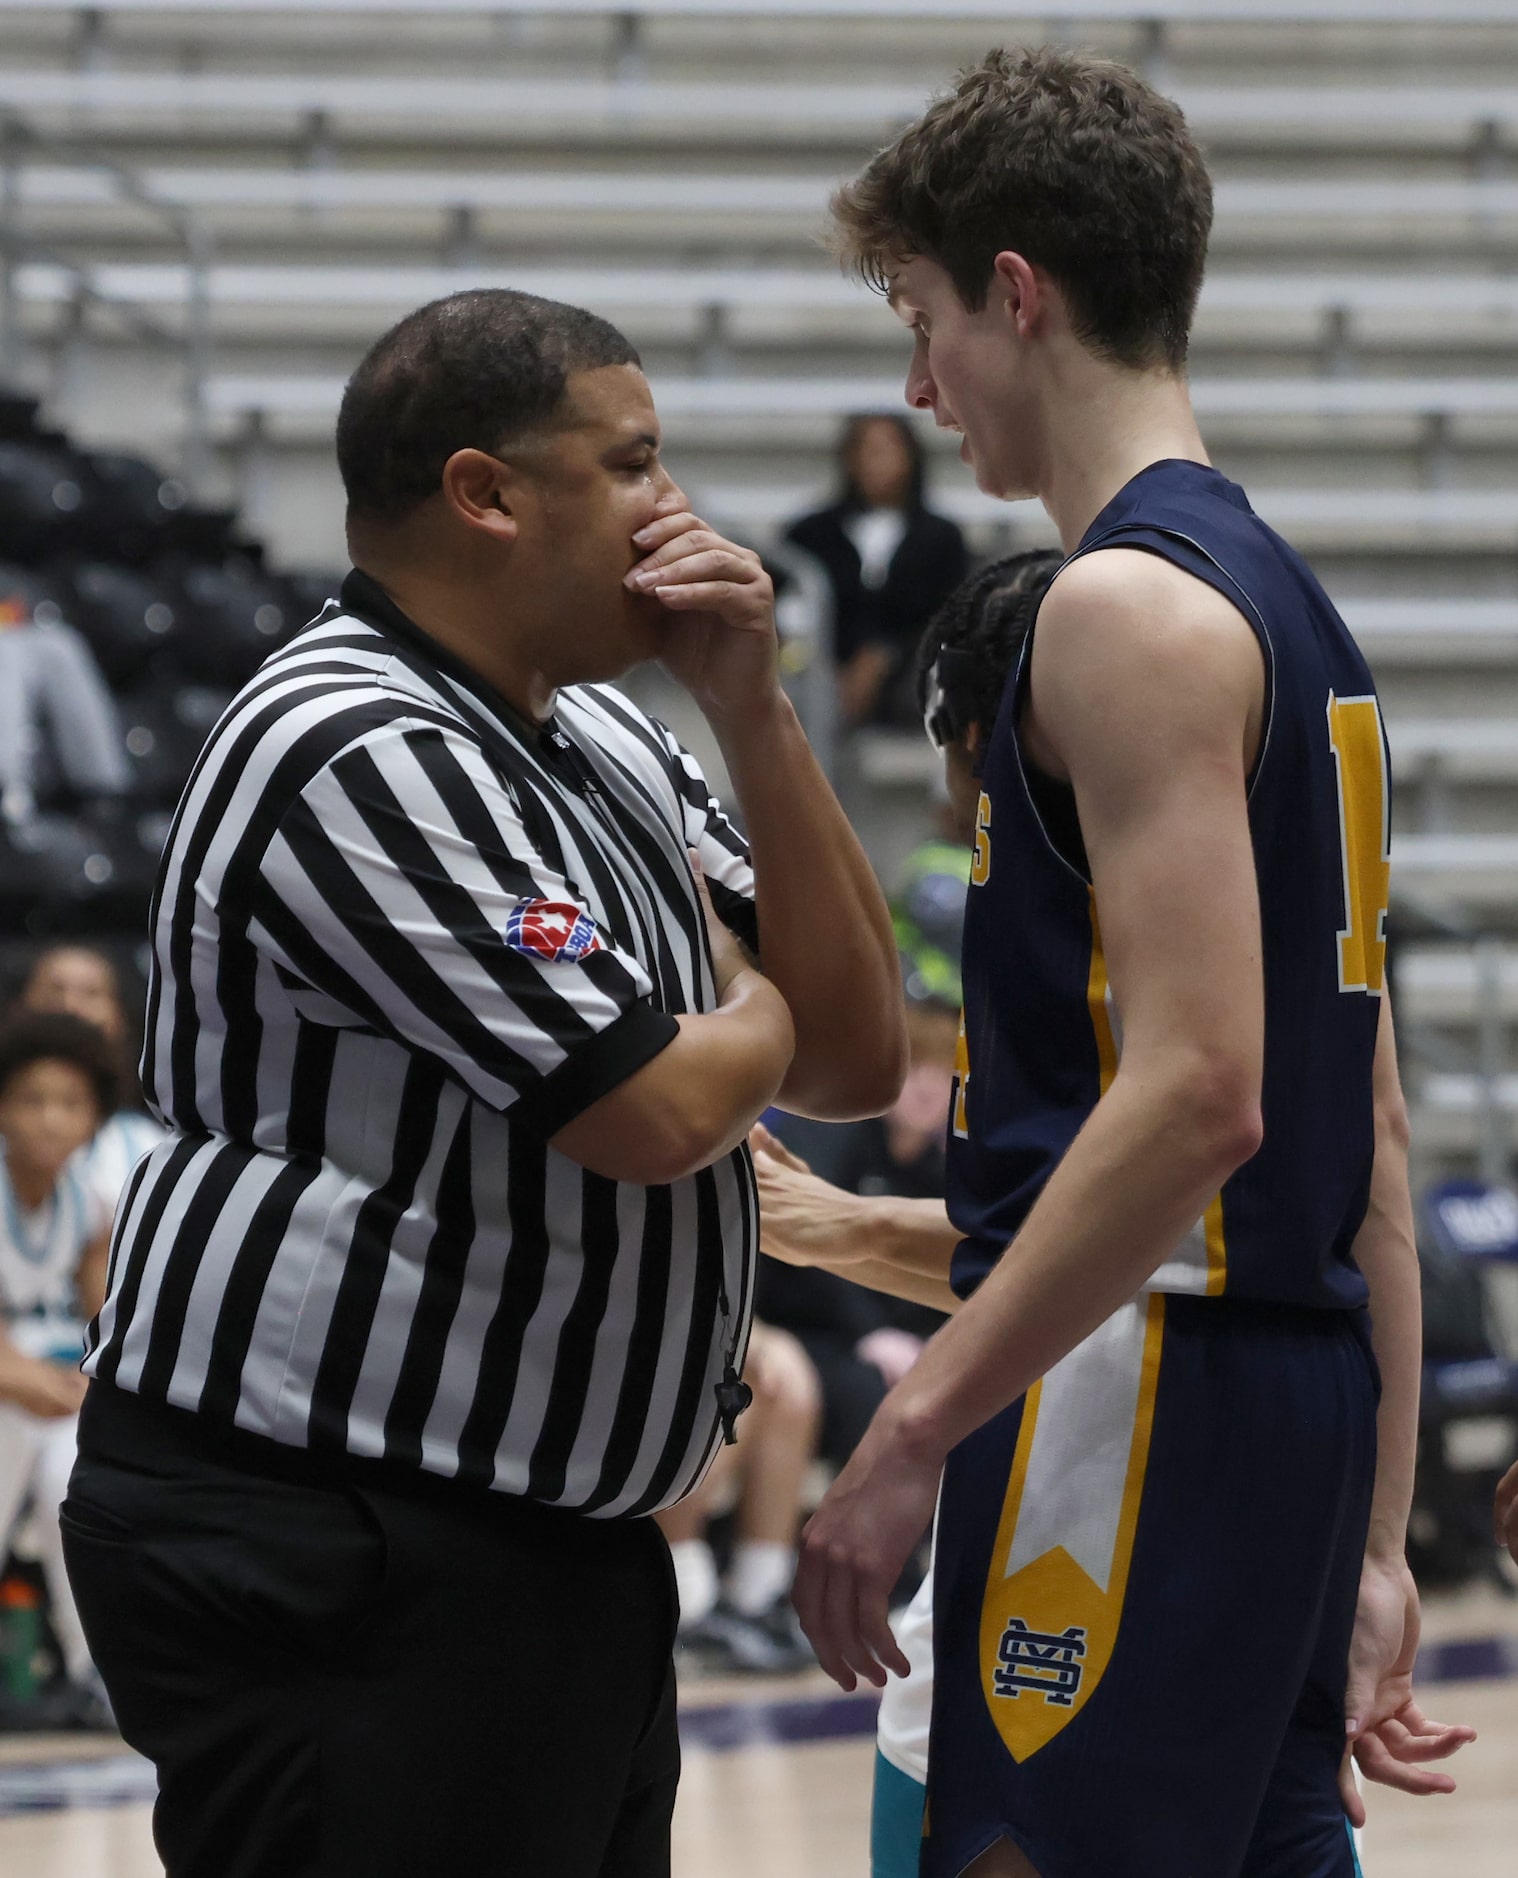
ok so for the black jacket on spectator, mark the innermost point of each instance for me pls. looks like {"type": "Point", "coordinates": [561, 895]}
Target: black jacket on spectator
{"type": "Point", "coordinates": [929, 562]}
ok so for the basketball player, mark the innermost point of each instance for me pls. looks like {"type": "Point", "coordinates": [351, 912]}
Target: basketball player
{"type": "Point", "coordinates": [1172, 1520]}
{"type": "Point", "coordinates": [967, 655]}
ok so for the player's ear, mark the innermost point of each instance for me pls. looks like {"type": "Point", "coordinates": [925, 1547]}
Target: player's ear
{"type": "Point", "coordinates": [1018, 287]}
{"type": "Point", "coordinates": [482, 491]}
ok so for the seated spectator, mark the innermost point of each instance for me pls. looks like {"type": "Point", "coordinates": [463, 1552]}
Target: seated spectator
{"type": "Point", "coordinates": [83, 981]}
{"type": "Point", "coordinates": [48, 676]}
{"type": "Point", "coordinates": [57, 1084]}
{"type": "Point", "coordinates": [744, 1620]}
{"type": "Point", "coordinates": [890, 561]}
{"type": "Point", "coordinates": [863, 1342]}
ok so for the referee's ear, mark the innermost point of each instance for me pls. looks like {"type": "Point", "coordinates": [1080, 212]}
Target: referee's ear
{"type": "Point", "coordinates": [480, 490]}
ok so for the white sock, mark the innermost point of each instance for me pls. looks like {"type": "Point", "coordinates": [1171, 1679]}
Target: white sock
{"type": "Point", "coordinates": [762, 1570]}
{"type": "Point", "coordinates": [695, 1579]}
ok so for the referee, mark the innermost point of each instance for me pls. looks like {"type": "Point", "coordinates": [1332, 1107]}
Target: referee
{"type": "Point", "coordinates": [441, 1283]}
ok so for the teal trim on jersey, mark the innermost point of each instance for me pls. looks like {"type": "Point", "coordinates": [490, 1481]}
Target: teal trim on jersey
{"type": "Point", "coordinates": [1353, 1850]}
{"type": "Point", "coordinates": [895, 1821]}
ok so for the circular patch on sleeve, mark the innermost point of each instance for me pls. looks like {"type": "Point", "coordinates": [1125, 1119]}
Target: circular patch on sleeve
{"type": "Point", "coordinates": [551, 929]}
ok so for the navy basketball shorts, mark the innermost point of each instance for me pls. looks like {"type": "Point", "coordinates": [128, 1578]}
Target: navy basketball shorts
{"type": "Point", "coordinates": [1146, 1581]}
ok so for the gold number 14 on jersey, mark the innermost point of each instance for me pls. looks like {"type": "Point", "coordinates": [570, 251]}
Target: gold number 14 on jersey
{"type": "Point", "coordinates": [1359, 747]}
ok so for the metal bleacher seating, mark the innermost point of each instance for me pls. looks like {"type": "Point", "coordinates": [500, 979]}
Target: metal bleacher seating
{"type": "Point", "coordinates": [208, 211]}
{"type": "Point", "coordinates": [172, 609]}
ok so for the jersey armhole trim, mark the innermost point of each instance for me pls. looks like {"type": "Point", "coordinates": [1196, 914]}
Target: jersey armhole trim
{"type": "Point", "coordinates": [1016, 692]}
{"type": "Point", "coordinates": [1236, 597]}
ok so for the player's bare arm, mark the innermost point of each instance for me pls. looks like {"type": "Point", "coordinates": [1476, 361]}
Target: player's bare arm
{"type": "Point", "coordinates": [826, 931]}
{"type": "Point", "coordinates": [1148, 693]}
{"type": "Point", "coordinates": [1392, 1739]}
{"type": "Point", "coordinates": [899, 1246]}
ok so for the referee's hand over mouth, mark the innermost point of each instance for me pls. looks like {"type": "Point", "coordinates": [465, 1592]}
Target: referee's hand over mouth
{"type": "Point", "coordinates": [720, 640]}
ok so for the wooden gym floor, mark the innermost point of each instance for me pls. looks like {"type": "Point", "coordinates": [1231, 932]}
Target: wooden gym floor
{"type": "Point", "coordinates": [777, 1778]}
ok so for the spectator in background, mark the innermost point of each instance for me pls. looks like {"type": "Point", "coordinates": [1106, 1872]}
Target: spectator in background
{"type": "Point", "coordinates": [744, 1621]}
{"type": "Point", "coordinates": [48, 675]}
{"type": "Point", "coordinates": [58, 1081]}
{"type": "Point", "coordinates": [83, 981]}
{"type": "Point", "coordinates": [889, 560]}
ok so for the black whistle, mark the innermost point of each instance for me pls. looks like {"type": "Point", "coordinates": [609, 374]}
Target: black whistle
{"type": "Point", "coordinates": [733, 1397]}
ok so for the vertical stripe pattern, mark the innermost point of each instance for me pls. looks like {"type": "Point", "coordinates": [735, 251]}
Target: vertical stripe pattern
{"type": "Point", "coordinates": [401, 937]}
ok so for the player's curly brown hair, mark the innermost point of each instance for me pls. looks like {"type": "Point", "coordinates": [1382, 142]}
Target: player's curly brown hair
{"type": "Point", "coordinates": [1074, 163]}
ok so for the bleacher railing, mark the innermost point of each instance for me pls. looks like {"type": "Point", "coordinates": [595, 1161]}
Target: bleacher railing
{"type": "Point", "coordinates": [19, 143]}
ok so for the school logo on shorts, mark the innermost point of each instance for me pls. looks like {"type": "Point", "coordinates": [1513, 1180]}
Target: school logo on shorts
{"type": "Point", "coordinates": [1039, 1662]}
{"type": "Point", "coordinates": [548, 929]}
{"type": "Point", "coordinates": [1057, 1576]}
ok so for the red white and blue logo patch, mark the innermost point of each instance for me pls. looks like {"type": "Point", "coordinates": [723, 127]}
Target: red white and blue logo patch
{"type": "Point", "coordinates": [549, 929]}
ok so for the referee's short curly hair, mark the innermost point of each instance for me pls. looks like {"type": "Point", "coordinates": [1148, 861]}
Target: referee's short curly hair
{"type": "Point", "coordinates": [31, 1037]}
{"type": "Point", "coordinates": [472, 372]}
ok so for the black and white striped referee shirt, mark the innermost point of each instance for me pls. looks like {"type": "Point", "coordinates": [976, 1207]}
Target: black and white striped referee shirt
{"type": "Point", "coordinates": [401, 937]}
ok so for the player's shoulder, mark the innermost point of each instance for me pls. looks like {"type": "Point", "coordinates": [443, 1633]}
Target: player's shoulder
{"type": "Point", "coordinates": [1125, 611]}
{"type": "Point", "coordinates": [1130, 653]}
{"type": "Point", "coordinates": [1117, 588]}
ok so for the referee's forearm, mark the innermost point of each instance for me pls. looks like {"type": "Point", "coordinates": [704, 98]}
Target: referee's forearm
{"type": "Point", "coordinates": [735, 1059]}
{"type": "Point", "coordinates": [696, 1100]}
{"type": "Point", "coordinates": [824, 927]}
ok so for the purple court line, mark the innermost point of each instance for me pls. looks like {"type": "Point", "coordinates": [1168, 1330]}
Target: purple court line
{"type": "Point", "coordinates": [1467, 1659]}
{"type": "Point", "coordinates": [723, 1726]}
{"type": "Point", "coordinates": [716, 1728]}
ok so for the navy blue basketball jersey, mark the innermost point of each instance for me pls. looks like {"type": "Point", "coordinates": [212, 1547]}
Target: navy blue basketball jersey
{"type": "Point", "coordinates": [1042, 1036]}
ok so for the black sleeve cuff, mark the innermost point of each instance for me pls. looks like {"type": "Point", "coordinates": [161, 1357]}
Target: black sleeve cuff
{"type": "Point", "coordinates": [738, 914]}
{"type": "Point", "coordinates": [595, 1069]}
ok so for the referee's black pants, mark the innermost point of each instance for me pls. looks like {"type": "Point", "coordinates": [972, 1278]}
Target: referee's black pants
{"type": "Point", "coordinates": [339, 1678]}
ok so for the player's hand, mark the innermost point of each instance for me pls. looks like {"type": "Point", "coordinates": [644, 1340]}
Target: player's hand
{"type": "Point", "coordinates": [1507, 1511]}
{"type": "Point", "coordinates": [720, 642]}
{"type": "Point", "coordinates": [762, 1141]}
{"type": "Point", "coordinates": [853, 1548]}
{"type": "Point", "coordinates": [1389, 1736]}
{"type": "Point", "coordinates": [46, 1390]}
{"type": "Point", "coordinates": [803, 1220]}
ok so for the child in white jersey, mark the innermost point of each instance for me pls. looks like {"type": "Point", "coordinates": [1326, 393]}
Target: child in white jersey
{"type": "Point", "coordinates": [84, 981]}
{"type": "Point", "coordinates": [58, 1082]}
